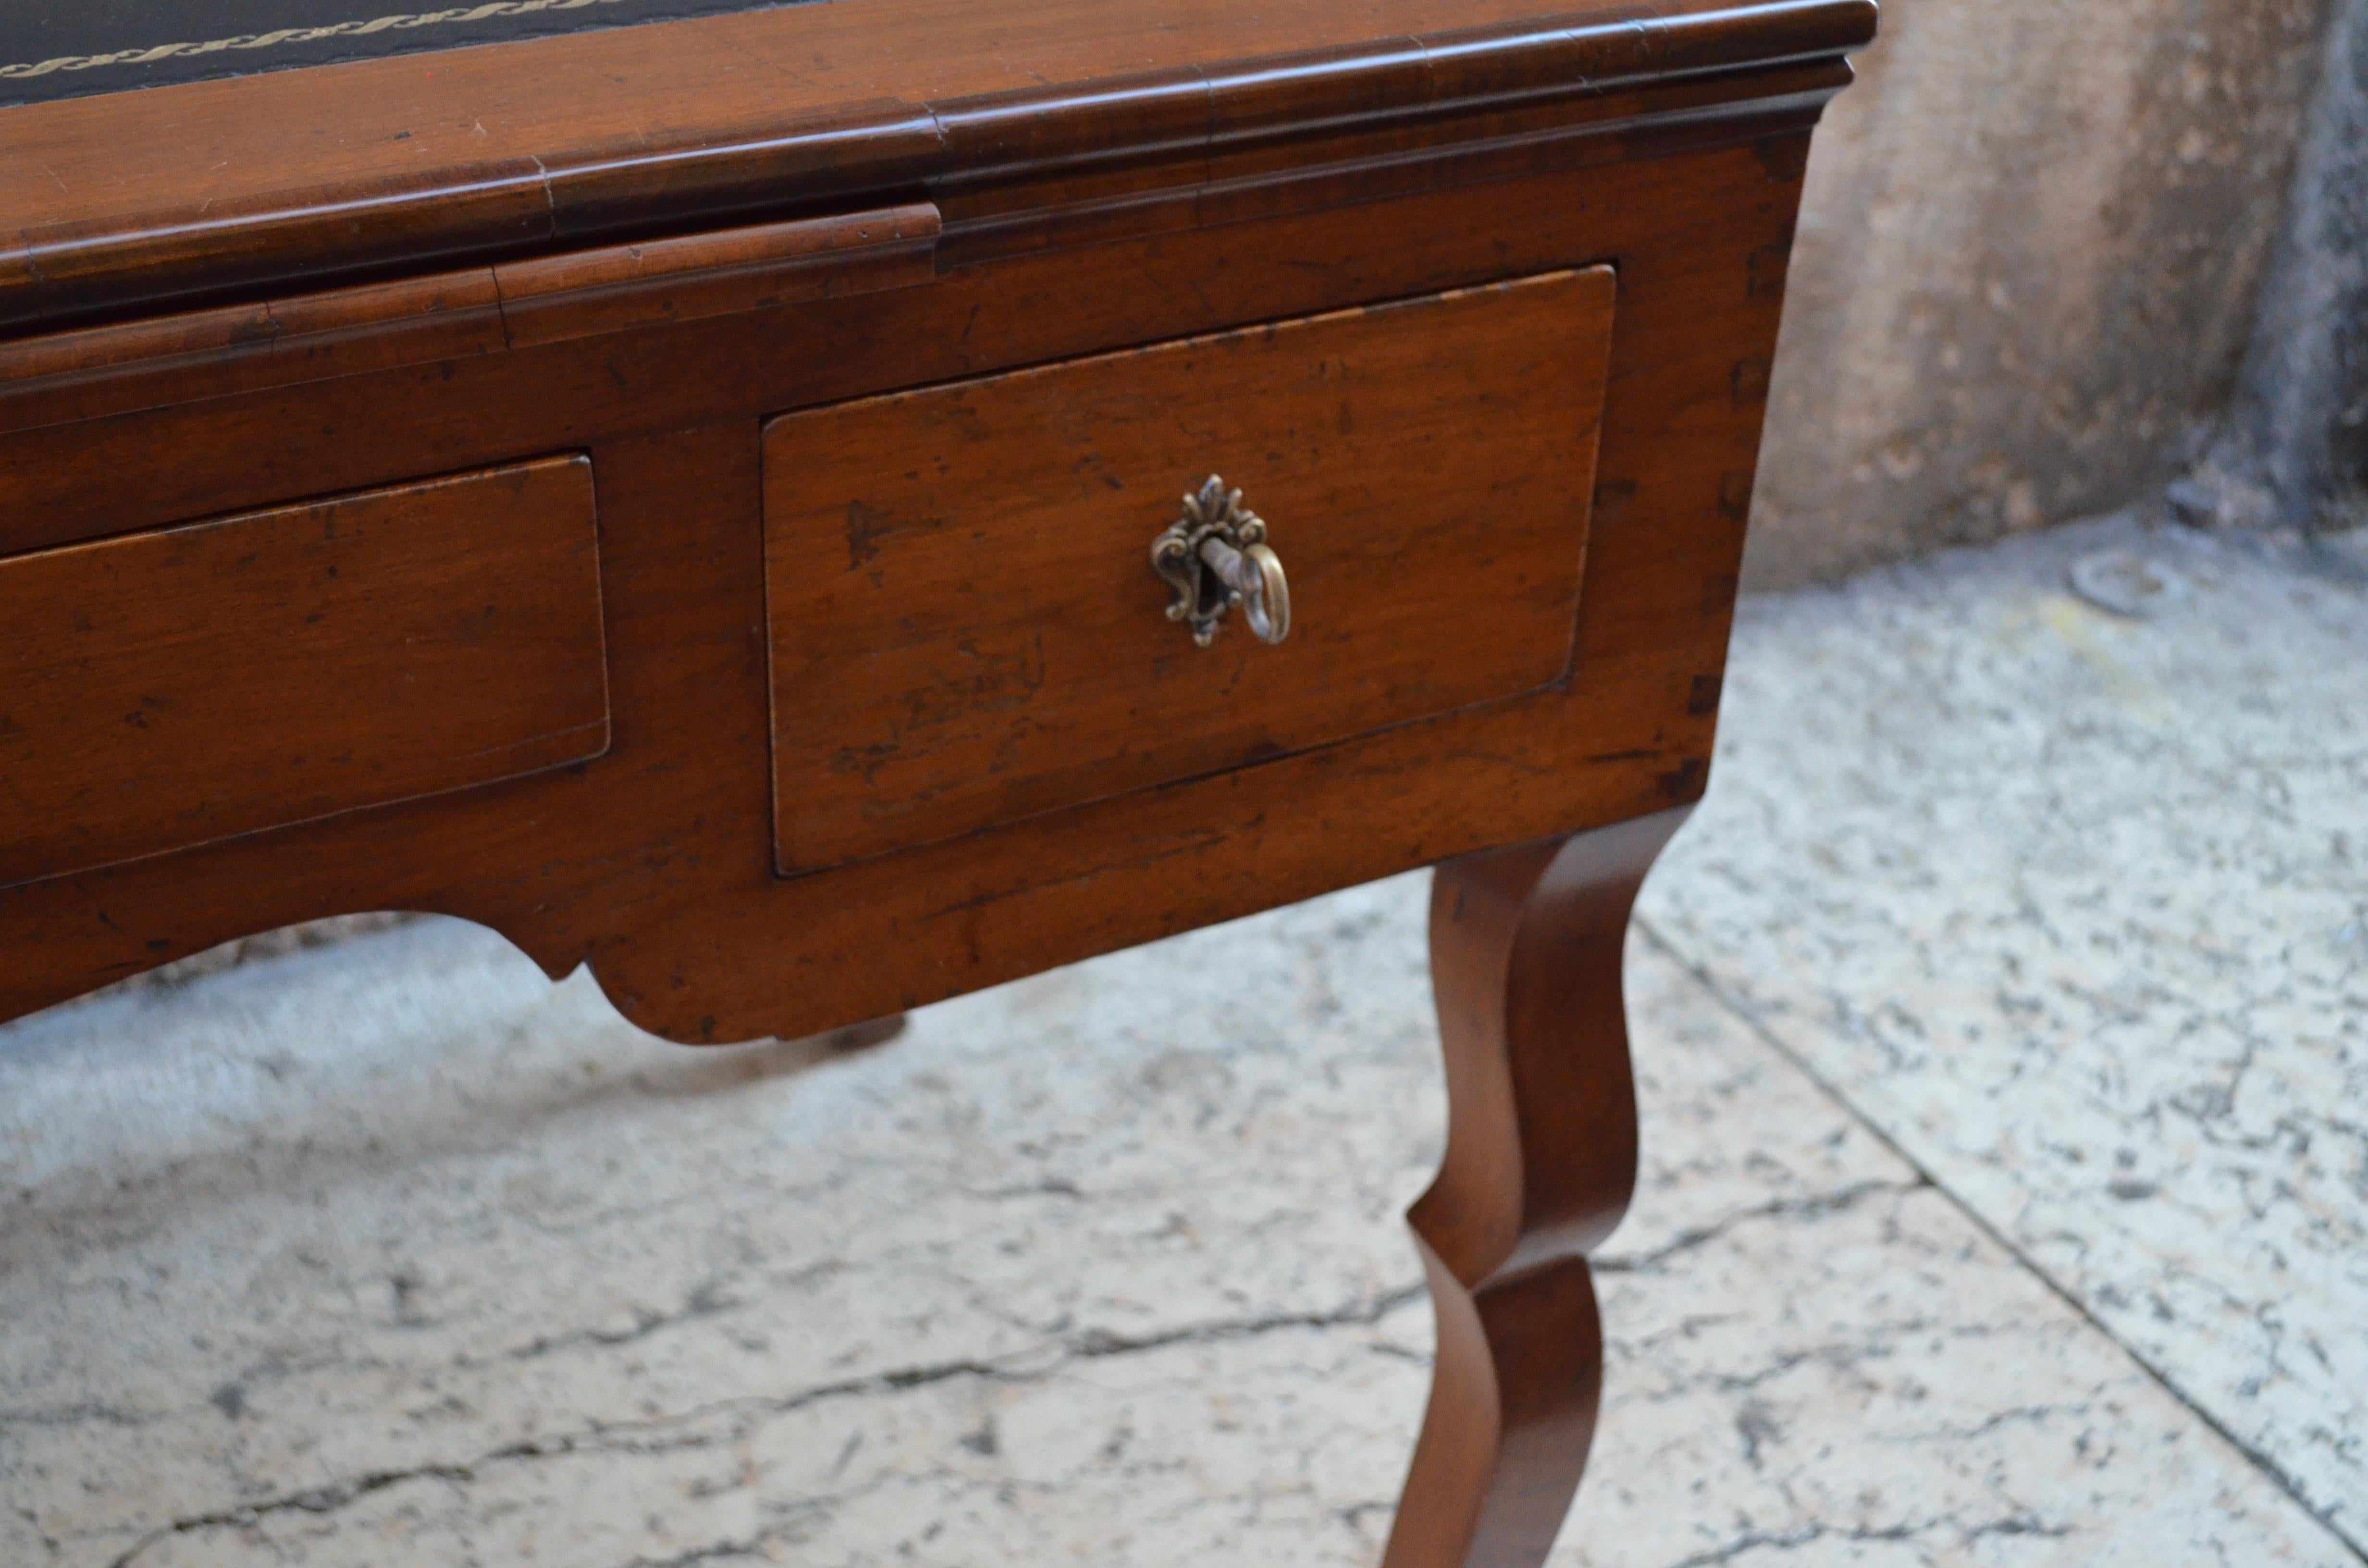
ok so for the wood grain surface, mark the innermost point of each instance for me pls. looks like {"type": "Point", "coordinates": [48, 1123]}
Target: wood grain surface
{"type": "Point", "coordinates": [167, 689]}
{"type": "Point", "coordinates": [963, 626]}
{"type": "Point", "coordinates": [654, 863]}
{"type": "Point", "coordinates": [56, 377]}
{"type": "Point", "coordinates": [475, 153]}
{"type": "Point", "coordinates": [693, 277]}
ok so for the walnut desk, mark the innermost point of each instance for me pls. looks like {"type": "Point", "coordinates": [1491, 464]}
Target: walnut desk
{"type": "Point", "coordinates": [816, 511]}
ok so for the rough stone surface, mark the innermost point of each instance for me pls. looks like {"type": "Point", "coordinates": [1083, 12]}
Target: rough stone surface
{"type": "Point", "coordinates": [2029, 255]}
{"type": "Point", "coordinates": [390, 1252]}
{"type": "Point", "coordinates": [2293, 446]}
{"type": "Point", "coordinates": [2075, 906]}
{"type": "Point", "coordinates": [391, 1248]}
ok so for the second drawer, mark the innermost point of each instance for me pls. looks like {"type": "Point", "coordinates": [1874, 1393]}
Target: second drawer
{"type": "Point", "coordinates": [965, 627]}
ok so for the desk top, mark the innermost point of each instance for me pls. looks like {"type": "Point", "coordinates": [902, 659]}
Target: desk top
{"type": "Point", "coordinates": [119, 201]}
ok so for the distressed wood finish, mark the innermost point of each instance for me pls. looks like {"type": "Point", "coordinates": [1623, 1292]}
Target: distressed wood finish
{"type": "Point", "coordinates": [224, 301]}
{"type": "Point", "coordinates": [174, 688]}
{"type": "Point", "coordinates": [692, 277]}
{"type": "Point", "coordinates": [512, 148]}
{"type": "Point", "coordinates": [693, 935]}
{"type": "Point", "coordinates": [1525, 949]}
{"type": "Point", "coordinates": [54, 379]}
{"type": "Point", "coordinates": [963, 627]}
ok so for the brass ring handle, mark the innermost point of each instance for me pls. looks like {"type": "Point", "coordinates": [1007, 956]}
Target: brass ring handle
{"type": "Point", "coordinates": [1215, 557]}
{"type": "Point", "coordinates": [1256, 576]}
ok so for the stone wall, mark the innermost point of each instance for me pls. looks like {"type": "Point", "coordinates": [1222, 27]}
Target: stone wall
{"type": "Point", "coordinates": [2293, 451]}
{"type": "Point", "coordinates": [2034, 238]}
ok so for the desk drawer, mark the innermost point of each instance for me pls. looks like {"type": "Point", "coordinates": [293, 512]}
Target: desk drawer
{"type": "Point", "coordinates": [166, 689]}
{"type": "Point", "coordinates": [965, 628]}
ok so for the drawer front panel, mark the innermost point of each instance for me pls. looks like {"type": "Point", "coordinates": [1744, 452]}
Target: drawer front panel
{"type": "Point", "coordinates": [965, 628]}
{"type": "Point", "coordinates": [167, 689]}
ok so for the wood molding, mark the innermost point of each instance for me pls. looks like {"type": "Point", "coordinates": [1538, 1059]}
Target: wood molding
{"type": "Point", "coordinates": [693, 277]}
{"type": "Point", "coordinates": [149, 362]}
{"type": "Point", "coordinates": [160, 360]}
{"type": "Point", "coordinates": [1362, 164]}
{"type": "Point", "coordinates": [152, 227]}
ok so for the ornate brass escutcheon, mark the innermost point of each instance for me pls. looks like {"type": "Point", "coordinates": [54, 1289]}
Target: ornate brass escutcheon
{"type": "Point", "coordinates": [1215, 557]}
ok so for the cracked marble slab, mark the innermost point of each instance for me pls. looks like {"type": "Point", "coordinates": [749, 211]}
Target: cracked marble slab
{"type": "Point", "coordinates": [2075, 906]}
{"type": "Point", "coordinates": [390, 1252]}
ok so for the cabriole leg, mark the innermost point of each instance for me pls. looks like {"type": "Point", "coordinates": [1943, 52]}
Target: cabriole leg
{"type": "Point", "coordinates": [1525, 947]}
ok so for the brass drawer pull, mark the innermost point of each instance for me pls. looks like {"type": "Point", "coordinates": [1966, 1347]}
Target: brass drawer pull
{"type": "Point", "coordinates": [1215, 557]}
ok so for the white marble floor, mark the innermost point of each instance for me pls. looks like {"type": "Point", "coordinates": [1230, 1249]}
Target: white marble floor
{"type": "Point", "coordinates": [1998, 1022]}
{"type": "Point", "coordinates": [2074, 906]}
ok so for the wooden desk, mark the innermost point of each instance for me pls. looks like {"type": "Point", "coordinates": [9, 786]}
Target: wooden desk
{"type": "Point", "coordinates": [709, 501]}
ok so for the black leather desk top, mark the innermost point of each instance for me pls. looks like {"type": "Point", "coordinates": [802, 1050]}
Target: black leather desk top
{"type": "Point", "coordinates": [64, 49]}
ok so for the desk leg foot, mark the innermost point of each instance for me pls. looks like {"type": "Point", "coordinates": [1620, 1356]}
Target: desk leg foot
{"type": "Point", "coordinates": [1525, 947]}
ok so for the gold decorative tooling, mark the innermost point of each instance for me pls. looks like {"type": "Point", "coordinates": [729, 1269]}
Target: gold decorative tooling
{"type": "Point", "coordinates": [1216, 559]}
